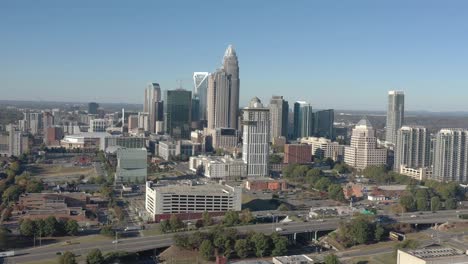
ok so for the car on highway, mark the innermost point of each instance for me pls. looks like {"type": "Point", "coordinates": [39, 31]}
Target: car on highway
{"type": "Point", "coordinates": [115, 241]}
{"type": "Point", "coordinates": [413, 216]}
{"type": "Point", "coordinates": [279, 229]}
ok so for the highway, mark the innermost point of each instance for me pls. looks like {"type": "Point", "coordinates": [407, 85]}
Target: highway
{"type": "Point", "coordinates": [159, 241]}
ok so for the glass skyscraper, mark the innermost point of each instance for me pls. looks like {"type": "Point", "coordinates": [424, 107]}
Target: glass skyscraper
{"type": "Point", "coordinates": [323, 124]}
{"type": "Point", "coordinates": [395, 115]}
{"type": "Point", "coordinates": [178, 113]}
{"type": "Point", "coordinates": [303, 120]}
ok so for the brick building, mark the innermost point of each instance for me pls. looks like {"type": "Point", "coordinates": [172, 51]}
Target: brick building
{"type": "Point", "coordinates": [297, 153]}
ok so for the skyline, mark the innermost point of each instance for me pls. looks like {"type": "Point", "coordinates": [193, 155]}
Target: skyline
{"type": "Point", "coordinates": [303, 51]}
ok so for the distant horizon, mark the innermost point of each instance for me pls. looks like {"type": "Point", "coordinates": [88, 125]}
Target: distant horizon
{"type": "Point", "coordinates": [332, 54]}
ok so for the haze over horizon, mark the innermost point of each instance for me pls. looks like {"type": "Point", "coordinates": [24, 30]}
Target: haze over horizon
{"type": "Point", "coordinates": [332, 54]}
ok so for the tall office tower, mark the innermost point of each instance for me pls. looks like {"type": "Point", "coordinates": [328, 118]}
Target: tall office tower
{"type": "Point", "coordinates": [200, 91]}
{"type": "Point", "coordinates": [412, 148]}
{"type": "Point", "coordinates": [303, 120]}
{"type": "Point", "coordinates": [395, 115]}
{"type": "Point", "coordinates": [143, 121]}
{"type": "Point", "coordinates": [451, 156]}
{"type": "Point", "coordinates": [256, 138]}
{"type": "Point", "coordinates": [47, 121]}
{"type": "Point", "coordinates": [223, 93]}
{"type": "Point", "coordinates": [132, 122]}
{"type": "Point", "coordinates": [17, 142]}
{"type": "Point", "coordinates": [279, 111]}
{"type": "Point", "coordinates": [33, 122]}
{"type": "Point", "coordinates": [231, 66]}
{"type": "Point", "coordinates": [93, 108]}
{"type": "Point", "coordinates": [177, 113]}
{"type": "Point", "coordinates": [152, 95]}
{"type": "Point", "coordinates": [195, 109]}
{"type": "Point", "coordinates": [323, 123]}
{"type": "Point", "coordinates": [363, 151]}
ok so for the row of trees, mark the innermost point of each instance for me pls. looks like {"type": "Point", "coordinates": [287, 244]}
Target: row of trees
{"type": "Point", "coordinates": [48, 227]}
{"type": "Point", "coordinates": [95, 256]}
{"type": "Point", "coordinates": [360, 230]}
{"type": "Point", "coordinates": [229, 243]}
{"type": "Point", "coordinates": [231, 218]}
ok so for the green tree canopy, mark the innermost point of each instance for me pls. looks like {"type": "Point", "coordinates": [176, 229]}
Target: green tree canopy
{"type": "Point", "coordinates": [95, 257]}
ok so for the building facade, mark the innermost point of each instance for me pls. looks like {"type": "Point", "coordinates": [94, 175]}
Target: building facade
{"type": "Point", "coordinates": [93, 108]}
{"type": "Point", "coordinates": [323, 148]}
{"type": "Point", "coordinates": [451, 156]}
{"type": "Point", "coordinates": [152, 96]}
{"type": "Point", "coordinates": [223, 93]}
{"type": "Point", "coordinates": [225, 138]}
{"type": "Point", "coordinates": [297, 154]}
{"type": "Point", "coordinates": [395, 115]}
{"type": "Point", "coordinates": [215, 167]}
{"type": "Point", "coordinates": [323, 123]}
{"type": "Point", "coordinates": [412, 148]}
{"type": "Point", "coordinates": [177, 113]}
{"type": "Point", "coordinates": [190, 201]}
{"type": "Point", "coordinates": [200, 91]}
{"type": "Point", "coordinates": [132, 165]}
{"type": "Point", "coordinates": [279, 111]}
{"type": "Point", "coordinates": [256, 138]}
{"type": "Point", "coordinates": [363, 151]}
{"type": "Point", "coordinates": [303, 120]}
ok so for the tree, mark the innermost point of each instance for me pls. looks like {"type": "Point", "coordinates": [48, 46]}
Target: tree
{"type": "Point", "coordinates": [231, 218]}
{"type": "Point", "coordinates": [450, 204]}
{"type": "Point", "coordinates": [207, 250]}
{"type": "Point", "coordinates": [95, 257]}
{"type": "Point", "coordinates": [242, 248]}
{"type": "Point", "coordinates": [67, 258]}
{"type": "Point", "coordinates": [322, 184]}
{"type": "Point", "coordinates": [15, 167]}
{"type": "Point", "coordinates": [195, 240]}
{"type": "Point", "coordinates": [331, 259]}
{"type": "Point", "coordinates": [207, 220]}
{"type": "Point", "coordinates": [50, 226]}
{"type": "Point", "coordinates": [275, 159]}
{"type": "Point", "coordinates": [175, 223]}
{"type": "Point", "coordinates": [280, 246]}
{"type": "Point", "coordinates": [407, 202]}
{"type": "Point", "coordinates": [435, 203]}
{"type": "Point", "coordinates": [421, 204]}
{"type": "Point", "coordinates": [246, 216]}
{"type": "Point", "coordinates": [27, 227]}
{"type": "Point", "coordinates": [360, 230]}
{"type": "Point", "coordinates": [261, 243]}
{"type": "Point", "coordinates": [71, 227]}
{"type": "Point", "coordinates": [335, 192]}
{"type": "Point", "coordinates": [34, 186]}
{"type": "Point", "coordinates": [165, 226]}
{"type": "Point", "coordinates": [181, 240]}
{"type": "Point", "coordinates": [11, 194]}
{"type": "Point", "coordinates": [39, 227]}
{"type": "Point", "coordinates": [379, 232]}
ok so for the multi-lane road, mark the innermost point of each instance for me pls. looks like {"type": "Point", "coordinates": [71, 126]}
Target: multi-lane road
{"type": "Point", "coordinates": [159, 241]}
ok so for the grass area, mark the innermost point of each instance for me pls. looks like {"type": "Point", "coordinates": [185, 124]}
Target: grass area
{"type": "Point", "coordinates": [387, 258]}
{"type": "Point", "coordinates": [151, 232]}
{"type": "Point", "coordinates": [386, 244]}
{"type": "Point", "coordinates": [46, 170]}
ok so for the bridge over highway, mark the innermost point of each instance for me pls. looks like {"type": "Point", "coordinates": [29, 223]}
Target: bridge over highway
{"type": "Point", "coordinates": [160, 241]}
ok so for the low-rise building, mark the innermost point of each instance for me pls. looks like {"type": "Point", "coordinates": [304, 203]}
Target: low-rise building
{"type": "Point", "coordinates": [216, 167]}
{"type": "Point", "coordinates": [190, 201]}
{"type": "Point", "coordinates": [262, 184]}
{"type": "Point", "coordinates": [225, 138]}
{"type": "Point", "coordinates": [295, 259]}
{"type": "Point", "coordinates": [416, 173]}
{"type": "Point", "coordinates": [432, 255]}
{"type": "Point", "coordinates": [322, 148]}
{"type": "Point", "coordinates": [131, 165]}
{"type": "Point", "coordinates": [85, 140]}
{"type": "Point", "coordinates": [297, 154]}
{"type": "Point", "coordinates": [169, 149]}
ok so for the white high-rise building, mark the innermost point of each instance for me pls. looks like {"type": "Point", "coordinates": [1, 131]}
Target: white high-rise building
{"type": "Point", "coordinates": [395, 115]}
{"type": "Point", "coordinates": [412, 148]}
{"type": "Point", "coordinates": [451, 156]}
{"type": "Point", "coordinates": [152, 97]}
{"type": "Point", "coordinates": [98, 125]}
{"type": "Point", "coordinates": [200, 91]}
{"type": "Point", "coordinates": [363, 151]}
{"type": "Point", "coordinates": [256, 138]}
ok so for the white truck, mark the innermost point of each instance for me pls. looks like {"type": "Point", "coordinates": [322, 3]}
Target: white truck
{"type": "Point", "coordinates": [279, 229]}
{"type": "Point", "coordinates": [10, 253]}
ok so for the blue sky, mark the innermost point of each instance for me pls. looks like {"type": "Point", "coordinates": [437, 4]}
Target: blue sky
{"type": "Point", "coordinates": [334, 54]}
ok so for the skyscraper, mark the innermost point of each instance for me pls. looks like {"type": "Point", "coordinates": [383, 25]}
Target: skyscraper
{"type": "Point", "coordinates": [223, 93]}
{"type": "Point", "coordinates": [177, 113]}
{"type": "Point", "coordinates": [303, 119]}
{"type": "Point", "coordinates": [363, 151]}
{"type": "Point", "coordinates": [200, 91]}
{"type": "Point", "coordinates": [412, 149]}
{"type": "Point", "coordinates": [323, 123]}
{"type": "Point", "coordinates": [279, 111]}
{"type": "Point", "coordinates": [152, 96]}
{"type": "Point", "coordinates": [451, 156]}
{"type": "Point", "coordinates": [93, 108]}
{"type": "Point", "coordinates": [256, 137]}
{"type": "Point", "coordinates": [395, 115]}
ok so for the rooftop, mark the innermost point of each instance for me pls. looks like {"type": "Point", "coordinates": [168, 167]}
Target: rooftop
{"type": "Point", "coordinates": [193, 189]}
{"type": "Point", "coordinates": [439, 255]}
{"type": "Point", "coordinates": [364, 123]}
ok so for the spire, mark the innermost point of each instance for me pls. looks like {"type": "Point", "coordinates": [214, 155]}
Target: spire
{"type": "Point", "coordinates": [230, 51]}
{"type": "Point", "coordinates": [364, 123]}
